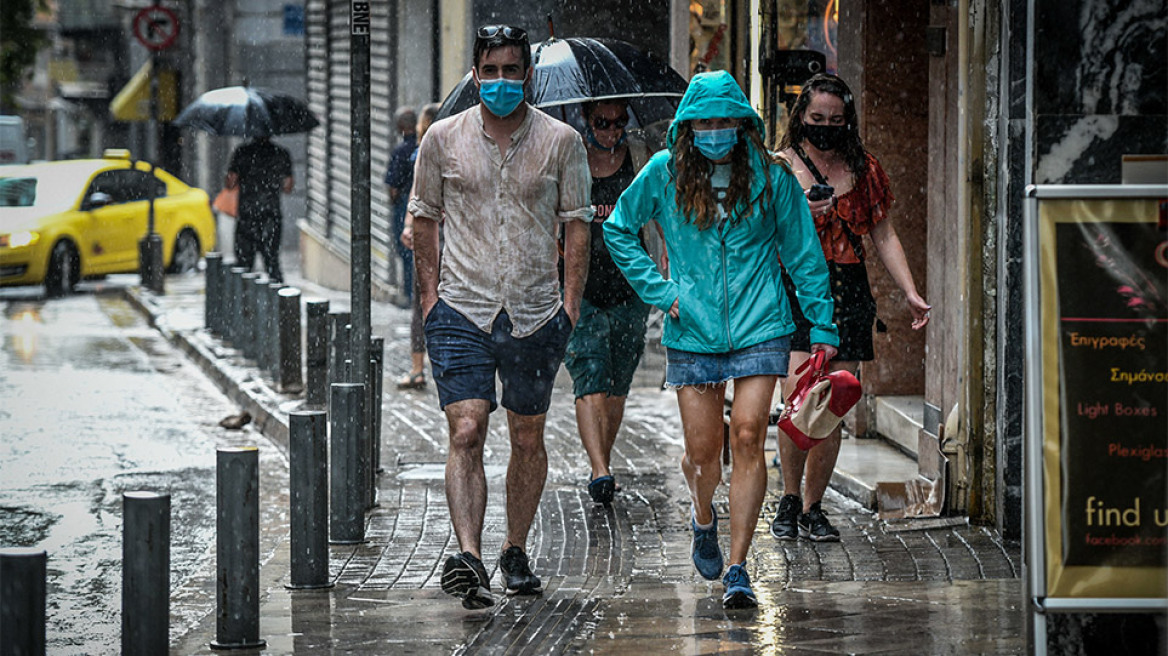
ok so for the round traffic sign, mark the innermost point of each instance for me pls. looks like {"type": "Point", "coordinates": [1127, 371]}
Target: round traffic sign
{"type": "Point", "coordinates": [156, 27]}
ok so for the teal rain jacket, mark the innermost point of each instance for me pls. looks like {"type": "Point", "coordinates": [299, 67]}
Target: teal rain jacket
{"type": "Point", "coordinates": [727, 282]}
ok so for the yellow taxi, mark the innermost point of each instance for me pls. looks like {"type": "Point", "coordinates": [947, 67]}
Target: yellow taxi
{"type": "Point", "coordinates": [64, 221]}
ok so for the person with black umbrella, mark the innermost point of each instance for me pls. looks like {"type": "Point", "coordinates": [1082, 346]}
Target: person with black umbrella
{"type": "Point", "coordinates": [261, 170]}
{"type": "Point", "coordinates": [504, 179]}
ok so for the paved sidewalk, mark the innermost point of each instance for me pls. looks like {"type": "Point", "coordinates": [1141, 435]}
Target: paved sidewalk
{"type": "Point", "coordinates": [617, 580]}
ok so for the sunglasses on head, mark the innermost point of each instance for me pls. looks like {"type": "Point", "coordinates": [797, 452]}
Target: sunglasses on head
{"type": "Point", "coordinates": [508, 32]}
{"type": "Point", "coordinates": [601, 123]}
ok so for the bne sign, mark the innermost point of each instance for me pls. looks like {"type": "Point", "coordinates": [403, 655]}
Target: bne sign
{"type": "Point", "coordinates": [359, 18]}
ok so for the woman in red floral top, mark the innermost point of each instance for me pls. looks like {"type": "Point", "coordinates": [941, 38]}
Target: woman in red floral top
{"type": "Point", "coordinates": [823, 145]}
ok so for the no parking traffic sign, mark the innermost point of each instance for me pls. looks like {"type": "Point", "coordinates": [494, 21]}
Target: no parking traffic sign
{"type": "Point", "coordinates": [156, 27]}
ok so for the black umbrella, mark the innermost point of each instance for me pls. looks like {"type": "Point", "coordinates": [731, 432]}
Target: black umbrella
{"type": "Point", "coordinates": [247, 112]}
{"type": "Point", "coordinates": [574, 70]}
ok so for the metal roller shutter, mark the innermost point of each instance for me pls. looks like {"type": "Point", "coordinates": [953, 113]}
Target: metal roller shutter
{"type": "Point", "coordinates": [330, 146]}
{"type": "Point", "coordinates": [317, 179]}
{"type": "Point", "coordinates": [383, 136]}
{"type": "Point", "coordinates": [340, 131]}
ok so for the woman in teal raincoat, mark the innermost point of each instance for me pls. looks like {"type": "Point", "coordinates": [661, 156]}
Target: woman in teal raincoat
{"type": "Point", "coordinates": [729, 210]}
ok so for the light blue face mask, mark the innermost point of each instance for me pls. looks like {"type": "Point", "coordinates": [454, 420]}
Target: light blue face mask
{"type": "Point", "coordinates": [716, 144]}
{"type": "Point", "coordinates": [501, 96]}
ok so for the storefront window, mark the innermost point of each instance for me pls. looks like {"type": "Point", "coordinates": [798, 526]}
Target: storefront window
{"type": "Point", "coordinates": [709, 35]}
{"type": "Point", "coordinates": [809, 25]}
{"type": "Point", "coordinates": [798, 39]}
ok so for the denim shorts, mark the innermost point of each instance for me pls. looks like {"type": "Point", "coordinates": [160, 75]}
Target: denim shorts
{"type": "Point", "coordinates": [465, 360]}
{"type": "Point", "coordinates": [769, 358]}
{"type": "Point", "coordinates": [606, 347]}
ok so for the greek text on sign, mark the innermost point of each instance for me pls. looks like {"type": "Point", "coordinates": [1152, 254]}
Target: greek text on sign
{"type": "Point", "coordinates": [156, 27]}
{"type": "Point", "coordinates": [359, 17]}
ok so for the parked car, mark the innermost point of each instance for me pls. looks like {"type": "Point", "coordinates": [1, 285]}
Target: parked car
{"type": "Point", "coordinates": [64, 221]}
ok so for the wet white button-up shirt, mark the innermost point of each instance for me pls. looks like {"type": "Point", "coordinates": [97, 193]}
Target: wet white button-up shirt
{"type": "Point", "coordinates": [501, 213]}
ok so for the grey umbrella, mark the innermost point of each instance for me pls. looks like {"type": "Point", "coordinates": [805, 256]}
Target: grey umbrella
{"type": "Point", "coordinates": [247, 112]}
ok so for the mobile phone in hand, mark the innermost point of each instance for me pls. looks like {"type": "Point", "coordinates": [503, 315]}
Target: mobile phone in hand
{"type": "Point", "coordinates": [820, 192]}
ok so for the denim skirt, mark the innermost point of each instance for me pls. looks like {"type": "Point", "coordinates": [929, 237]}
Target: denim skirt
{"type": "Point", "coordinates": [684, 368]}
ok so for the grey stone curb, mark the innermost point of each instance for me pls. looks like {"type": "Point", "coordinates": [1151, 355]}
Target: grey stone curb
{"type": "Point", "coordinates": [237, 388]}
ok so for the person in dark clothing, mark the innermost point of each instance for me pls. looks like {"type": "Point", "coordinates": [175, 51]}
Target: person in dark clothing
{"type": "Point", "coordinates": [399, 177]}
{"type": "Point", "coordinates": [262, 170]}
{"type": "Point", "coordinates": [609, 338]}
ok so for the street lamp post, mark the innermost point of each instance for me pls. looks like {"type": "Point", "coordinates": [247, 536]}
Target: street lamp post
{"type": "Point", "coordinates": [361, 255]}
{"type": "Point", "coordinates": [156, 28]}
{"type": "Point", "coordinates": [150, 247]}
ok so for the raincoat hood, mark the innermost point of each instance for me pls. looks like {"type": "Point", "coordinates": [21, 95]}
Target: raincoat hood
{"type": "Point", "coordinates": [713, 95]}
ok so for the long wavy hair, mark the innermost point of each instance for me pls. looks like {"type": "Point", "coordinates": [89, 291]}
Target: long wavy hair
{"type": "Point", "coordinates": [852, 150]}
{"type": "Point", "coordinates": [692, 171]}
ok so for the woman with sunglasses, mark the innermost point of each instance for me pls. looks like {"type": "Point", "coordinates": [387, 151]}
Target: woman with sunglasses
{"type": "Point", "coordinates": [729, 210]}
{"type": "Point", "coordinates": [609, 337]}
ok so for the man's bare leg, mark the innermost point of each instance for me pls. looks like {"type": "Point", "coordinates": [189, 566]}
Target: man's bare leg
{"type": "Point", "coordinates": [526, 474]}
{"type": "Point", "coordinates": [466, 483]}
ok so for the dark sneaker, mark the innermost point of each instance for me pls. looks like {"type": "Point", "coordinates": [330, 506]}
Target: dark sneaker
{"type": "Point", "coordinates": [601, 489]}
{"type": "Point", "coordinates": [707, 555]}
{"type": "Point", "coordinates": [815, 526]}
{"type": "Point", "coordinates": [785, 525]}
{"type": "Point", "coordinates": [739, 594]}
{"type": "Point", "coordinates": [464, 576]}
{"type": "Point", "coordinates": [517, 573]}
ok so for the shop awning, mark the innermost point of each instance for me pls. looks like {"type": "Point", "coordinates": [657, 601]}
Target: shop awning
{"type": "Point", "coordinates": [133, 102]}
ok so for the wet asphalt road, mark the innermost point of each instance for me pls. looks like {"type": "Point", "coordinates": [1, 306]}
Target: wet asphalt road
{"type": "Point", "coordinates": [94, 403]}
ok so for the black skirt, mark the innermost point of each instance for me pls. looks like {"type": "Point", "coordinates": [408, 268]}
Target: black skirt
{"type": "Point", "coordinates": [854, 316]}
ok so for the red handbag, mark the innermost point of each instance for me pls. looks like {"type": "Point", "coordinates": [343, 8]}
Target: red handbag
{"type": "Point", "coordinates": [819, 402]}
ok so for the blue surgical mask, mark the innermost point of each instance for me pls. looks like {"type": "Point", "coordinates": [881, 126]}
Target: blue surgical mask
{"type": "Point", "coordinates": [716, 144]}
{"type": "Point", "coordinates": [501, 96]}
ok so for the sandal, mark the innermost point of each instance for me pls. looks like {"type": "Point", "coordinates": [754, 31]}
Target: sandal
{"type": "Point", "coordinates": [601, 489]}
{"type": "Point", "coordinates": [412, 381]}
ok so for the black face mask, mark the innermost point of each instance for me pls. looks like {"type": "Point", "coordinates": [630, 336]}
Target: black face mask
{"type": "Point", "coordinates": [826, 137]}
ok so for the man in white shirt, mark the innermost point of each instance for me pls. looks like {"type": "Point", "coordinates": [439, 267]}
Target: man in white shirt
{"type": "Point", "coordinates": [501, 177]}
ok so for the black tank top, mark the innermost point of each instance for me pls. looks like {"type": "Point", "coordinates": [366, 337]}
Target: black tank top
{"type": "Point", "coordinates": [606, 285]}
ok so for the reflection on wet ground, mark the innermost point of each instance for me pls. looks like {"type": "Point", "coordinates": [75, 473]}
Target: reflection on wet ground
{"type": "Point", "coordinates": [119, 410]}
{"type": "Point", "coordinates": [85, 415]}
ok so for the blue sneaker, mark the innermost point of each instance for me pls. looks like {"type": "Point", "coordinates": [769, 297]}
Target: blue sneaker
{"type": "Point", "coordinates": [738, 591]}
{"type": "Point", "coordinates": [707, 555]}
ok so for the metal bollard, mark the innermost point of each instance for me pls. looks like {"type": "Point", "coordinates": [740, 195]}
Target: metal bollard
{"type": "Point", "coordinates": [317, 353]}
{"type": "Point", "coordinates": [308, 491]}
{"type": "Point", "coordinates": [260, 335]}
{"type": "Point", "coordinates": [145, 573]}
{"type": "Point", "coordinates": [337, 351]}
{"type": "Point", "coordinates": [237, 549]}
{"type": "Point", "coordinates": [347, 483]}
{"type": "Point", "coordinates": [22, 601]}
{"type": "Point", "coordinates": [235, 306]}
{"type": "Point", "coordinates": [377, 383]}
{"type": "Point", "coordinates": [347, 373]}
{"type": "Point", "coordinates": [211, 304]}
{"type": "Point", "coordinates": [290, 380]}
{"type": "Point", "coordinates": [272, 325]}
{"type": "Point", "coordinates": [221, 304]}
{"type": "Point", "coordinates": [247, 305]}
